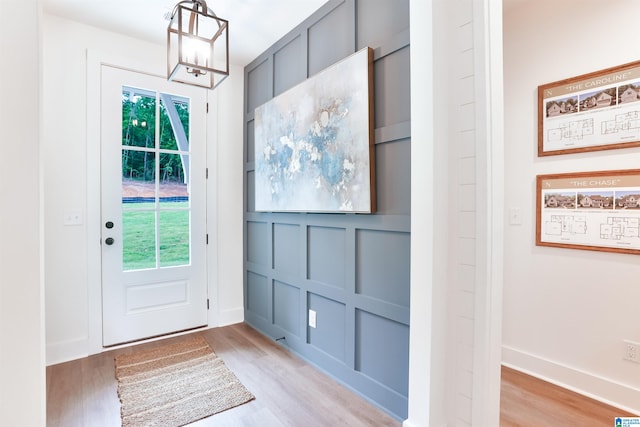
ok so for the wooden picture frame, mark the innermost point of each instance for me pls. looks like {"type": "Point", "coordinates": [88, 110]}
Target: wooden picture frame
{"type": "Point", "coordinates": [598, 211]}
{"type": "Point", "coordinates": [595, 111]}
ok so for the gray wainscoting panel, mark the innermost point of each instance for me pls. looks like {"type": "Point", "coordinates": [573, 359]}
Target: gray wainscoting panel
{"type": "Point", "coordinates": [331, 38]}
{"type": "Point", "coordinates": [353, 270]}
{"type": "Point", "coordinates": [289, 65]}
{"type": "Point", "coordinates": [250, 191]}
{"type": "Point", "coordinates": [257, 92]}
{"type": "Point", "coordinates": [329, 333]}
{"type": "Point", "coordinates": [391, 76]}
{"type": "Point", "coordinates": [257, 295]}
{"type": "Point", "coordinates": [381, 20]}
{"type": "Point", "coordinates": [250, 142]}
{"type": "Point", "coordinates": [382, 265]}
{"type": "Point", "coordinates": [257, 241]}
{"type": "Point", "coordinates": [286, 249]}
{"type": "Point", "coordinates": [326, 255]}
{"type": "Point", "coordinates": [382, 350]}
{"type": "Point", "coordinates": [391, 182]}
{"type": "Point", "coordinates": [286, 307]}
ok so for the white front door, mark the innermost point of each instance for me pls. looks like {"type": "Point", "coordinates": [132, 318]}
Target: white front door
{"type": "Point", "coordinates": [153, 182]}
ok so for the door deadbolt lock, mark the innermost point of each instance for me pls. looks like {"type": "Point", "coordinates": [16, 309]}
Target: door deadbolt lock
{"type": "Point", "coordinates": [109, 224]}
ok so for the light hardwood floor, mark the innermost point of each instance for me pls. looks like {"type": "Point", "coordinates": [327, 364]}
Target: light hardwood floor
{"type": "Point", "coordinates": [290, 392]}
{"type": "Point", "coordinates": [529, 402]}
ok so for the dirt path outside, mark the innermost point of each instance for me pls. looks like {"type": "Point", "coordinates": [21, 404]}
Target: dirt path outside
{"type": "Point", "coordinates": [133, 188]}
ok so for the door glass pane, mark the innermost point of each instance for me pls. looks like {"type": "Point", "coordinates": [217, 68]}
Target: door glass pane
{"type": "Point", "coordinates": [138, 177]}
{"type": "Point", "coordinates": [174, 210]}
{"type": "Point", "coordinates": [173, 177]}
{"type": "Point", "coordinates": [155, 180]}
{"type": "Point", "coordinates": [138, 118]}
{"type": "Point", "coordinates": [174, 123]}
{"type": "Point", "coordinates": [174, 235]}
{"type": "Point", "coordinates": [139, 238]}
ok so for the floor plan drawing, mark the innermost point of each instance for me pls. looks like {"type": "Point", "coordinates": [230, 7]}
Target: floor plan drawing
{"type": "Point", "coordinates": [571, 130]}
{"type": "Point", "coordinates": [629, 121]}
{"type": "Point", "coordinates": [593, 229]}
{"type": "Point", "coordinates": [560, 225]}
{"type": "Point", "coordinates": [619, 228]}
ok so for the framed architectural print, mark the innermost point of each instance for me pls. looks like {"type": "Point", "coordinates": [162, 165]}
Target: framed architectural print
{"type": "Point", "coordinates": [596, 111]}
{"type": "Point", "coordinates": [597, 211]}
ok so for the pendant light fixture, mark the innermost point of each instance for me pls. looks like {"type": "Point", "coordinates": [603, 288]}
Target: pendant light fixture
{"type": "Point", "coordinates": [197, 45]}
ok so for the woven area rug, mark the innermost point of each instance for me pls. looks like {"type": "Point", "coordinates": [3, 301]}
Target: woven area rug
{"type": "Point", "coordinates": [176, 384]}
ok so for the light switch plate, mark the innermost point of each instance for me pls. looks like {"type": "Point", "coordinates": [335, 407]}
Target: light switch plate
{"type": "Point", "coordinates": [515, 216]}
{"type": "Point", "coordinates": [73, 218]}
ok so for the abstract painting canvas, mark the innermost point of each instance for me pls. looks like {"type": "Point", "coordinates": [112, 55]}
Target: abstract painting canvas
{"type": "Point", "coordinates": [314, 148]}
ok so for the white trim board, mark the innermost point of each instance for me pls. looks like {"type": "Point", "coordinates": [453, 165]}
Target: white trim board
{"type": "Point", "coordinates": [63, 351]}
{"type": "Point", "coordinates": [231, 316]}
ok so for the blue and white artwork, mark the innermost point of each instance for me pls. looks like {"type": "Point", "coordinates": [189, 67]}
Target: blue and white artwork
{"type": "Point", "coordinates": [314, 145]}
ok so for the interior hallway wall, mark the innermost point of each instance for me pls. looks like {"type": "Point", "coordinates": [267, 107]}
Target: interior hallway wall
{"type": "Point", "coordinates": [566, 311]}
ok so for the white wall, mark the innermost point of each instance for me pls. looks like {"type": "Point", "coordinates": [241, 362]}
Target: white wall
{"type": "Point", "coordinates": [22, 374]}
{"type": "Point", "coordinates": [71, 253]}
{"type": "Point", "coordinates": [566, 312]}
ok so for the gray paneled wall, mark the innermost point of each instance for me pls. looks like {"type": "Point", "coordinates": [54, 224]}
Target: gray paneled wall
{"type": "Point", "coordinates": [352, 270]}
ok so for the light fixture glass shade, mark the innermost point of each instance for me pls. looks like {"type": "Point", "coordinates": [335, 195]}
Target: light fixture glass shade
{"type": "Point", "coordinates": [197, 45]}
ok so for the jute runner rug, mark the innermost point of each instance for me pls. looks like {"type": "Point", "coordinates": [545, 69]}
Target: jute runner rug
{"type": "Point", "coordinates": [176, 384]}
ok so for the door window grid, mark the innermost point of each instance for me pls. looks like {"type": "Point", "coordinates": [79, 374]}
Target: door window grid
{"type": "Point", "coordinates": [155, 180]}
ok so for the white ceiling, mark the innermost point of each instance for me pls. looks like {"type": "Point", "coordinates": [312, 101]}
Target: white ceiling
{"type": "Point", "coordinates": [254, 25]}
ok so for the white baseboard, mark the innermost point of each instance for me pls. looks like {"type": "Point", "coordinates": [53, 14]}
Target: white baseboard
{"type": "Point", "coordinates": [605, 390]}
{"type": "Point", "coordinates": [64, 351]}
{"type": "Point", "coordinates": [230, 317]}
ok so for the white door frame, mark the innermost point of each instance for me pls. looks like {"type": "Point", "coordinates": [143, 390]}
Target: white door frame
{"type": "Point", "coordinates": [95, 60]}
